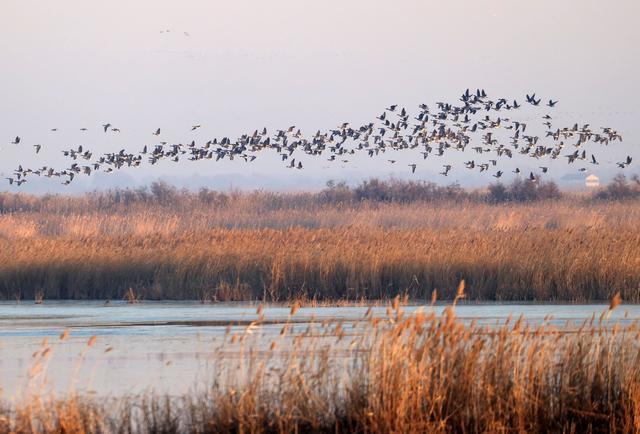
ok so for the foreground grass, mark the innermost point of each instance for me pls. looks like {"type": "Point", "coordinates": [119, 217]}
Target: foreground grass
{"type": "Point", "coordinates": [418, 373]}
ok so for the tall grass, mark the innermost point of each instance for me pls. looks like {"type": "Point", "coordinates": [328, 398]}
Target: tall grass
{"type": "Point", "coordinates": [276, 247]}
{"type": "Point", "coordinates": [556, 256]}
{"type": "Point", "coordinates": [399, 373]}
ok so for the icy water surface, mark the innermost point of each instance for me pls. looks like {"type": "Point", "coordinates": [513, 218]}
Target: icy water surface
{"type": "Point", "coordinates": [169, 346]}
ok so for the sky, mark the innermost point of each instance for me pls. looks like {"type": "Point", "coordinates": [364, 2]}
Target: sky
{"type": "Point", "coordinates": [246, 64]}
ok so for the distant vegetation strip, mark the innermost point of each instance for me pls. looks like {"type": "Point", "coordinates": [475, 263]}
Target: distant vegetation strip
{"type": "Point", "coordinates": [273, 247]}
{"type": "Point", "coordinates": [335, 193]}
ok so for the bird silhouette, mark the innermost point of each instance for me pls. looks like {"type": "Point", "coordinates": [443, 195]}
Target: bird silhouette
{"type": "Point", "coordinates": [488, 127]}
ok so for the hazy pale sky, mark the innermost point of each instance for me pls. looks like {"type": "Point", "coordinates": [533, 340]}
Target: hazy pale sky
{"type": "Point", "coordinates": [247, 64]}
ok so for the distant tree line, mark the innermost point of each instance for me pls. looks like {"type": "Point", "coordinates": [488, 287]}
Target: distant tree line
{"type": "Point", "coordinates": [335, 193]}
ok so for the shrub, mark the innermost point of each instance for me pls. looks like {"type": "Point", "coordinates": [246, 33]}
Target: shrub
{"type": "Point", "coordinates": [620, 189]}
{"type": "Point", "coordinates": [523, 191]}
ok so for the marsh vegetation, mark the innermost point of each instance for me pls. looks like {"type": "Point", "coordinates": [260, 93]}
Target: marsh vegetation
{"type": "Point", "coordinates": [374, 241]}
{"type": "Point", "coordinates": [418, 372]}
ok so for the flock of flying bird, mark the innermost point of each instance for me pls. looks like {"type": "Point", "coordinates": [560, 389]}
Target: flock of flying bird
{"type": "Point", "coordinates": [475, 122]}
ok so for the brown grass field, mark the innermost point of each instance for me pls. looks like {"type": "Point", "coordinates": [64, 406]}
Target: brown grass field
{"type": "Point", "coordinates": [279, 247]}
{"type": "Point", "coordinates": [405, 374]}
{"type": "Point", "coordinates": [399, 373]}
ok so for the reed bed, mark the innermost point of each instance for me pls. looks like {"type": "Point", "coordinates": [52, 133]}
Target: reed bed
{"type": "Point", "coordinates": [564, 249]}
{"type": "Point", "coordinates": [397, 373]}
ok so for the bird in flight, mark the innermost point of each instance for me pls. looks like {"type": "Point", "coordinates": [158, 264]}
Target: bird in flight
{"type": "Point", "coordinates": [532, 100]}
{"type": "Point", "coordinates": [473, 125]}
{"type": "Point", "coordinates": [625, 163]}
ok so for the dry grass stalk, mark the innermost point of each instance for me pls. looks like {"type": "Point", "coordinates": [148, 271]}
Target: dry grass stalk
{"type": "Point", "coordinates": [421, 373]}
{"type": "Point", "coordinates": [616, 300]}
{"type": "Point", "coordinates": [251, 250]}
{"type": "Point", "coordinates": [130, 296]}
{"type": "Point", "coordinates": [39, 297]}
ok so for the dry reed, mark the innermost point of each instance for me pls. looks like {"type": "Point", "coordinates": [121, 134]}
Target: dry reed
{"type": "Point", "coordinates": [560, 250]}
{"type": "Point", "coordinates": [403, 373]}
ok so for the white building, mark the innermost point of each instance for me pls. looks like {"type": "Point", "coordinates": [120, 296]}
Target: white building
{"type": "Point", "coordinates": [592, 181]}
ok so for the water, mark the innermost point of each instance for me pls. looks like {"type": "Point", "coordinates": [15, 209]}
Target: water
{"type": "Point", "coordinates": [170, 346]}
